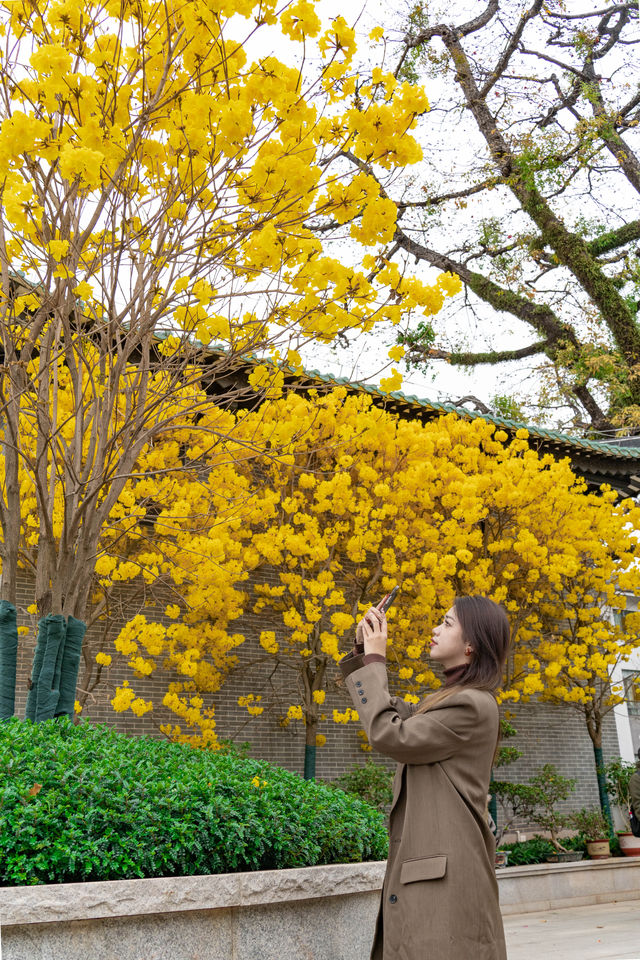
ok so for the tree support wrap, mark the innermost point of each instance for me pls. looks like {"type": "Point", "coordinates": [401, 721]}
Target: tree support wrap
{"type": "Point", "coordinates": [8, 659]}
{"type": "Point", "coordinates": [48, 689]}
{"type": "Point", "coordinates": [309, 761]}
{"type": "Point", "coordinates": [38, 658]}
{"type": "Point", "coordinates": [55, 668]}
{"type": "Point", "coordinates": [76, 630]}
{"type": "Point", "coordinates": [602, 787]}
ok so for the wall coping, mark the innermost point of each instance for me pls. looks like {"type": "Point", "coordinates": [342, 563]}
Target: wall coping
{"type": "Point", "coordinates": [52, 903]}
{"type": "Point", "coordinates": [576, 866]}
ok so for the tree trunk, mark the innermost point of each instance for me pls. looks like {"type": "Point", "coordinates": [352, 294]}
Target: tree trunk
{"type": "Point", "coordinates": [594, 726]}
{"type": "Point", "coordinates": [10, 512]}
{"type": "Point", "coordinates": [602, 787]}
{"type": "Point", "coordinates": [54, 674]}
{"type": "Point", "coordinates": [74, 636]}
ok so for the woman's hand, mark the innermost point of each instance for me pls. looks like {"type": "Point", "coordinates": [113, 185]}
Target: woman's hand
{"type": "Point", "coordinates": [373, 629]}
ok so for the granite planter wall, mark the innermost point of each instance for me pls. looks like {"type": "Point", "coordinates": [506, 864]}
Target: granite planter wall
{"type": "Point", "coordinates": [543, 886]}
{"type": "Point", "coordinates": [315, 913]}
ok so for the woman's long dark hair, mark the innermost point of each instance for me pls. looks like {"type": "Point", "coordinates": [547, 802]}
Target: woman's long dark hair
{"type": "Point", "coordinates": [485, 628]}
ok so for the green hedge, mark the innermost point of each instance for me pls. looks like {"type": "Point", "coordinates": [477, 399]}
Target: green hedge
{"type": "Point", "coordinates": [372, 783]}
{"type": "Point", "coordinates": [113, 807]}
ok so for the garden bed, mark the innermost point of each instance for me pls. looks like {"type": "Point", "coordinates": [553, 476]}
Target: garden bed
{"type": "Point", "coordinates": [324, 912]}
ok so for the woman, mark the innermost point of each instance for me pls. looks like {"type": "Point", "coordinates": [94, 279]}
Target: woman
{"type": "Point", "coordinates": [440, 896]}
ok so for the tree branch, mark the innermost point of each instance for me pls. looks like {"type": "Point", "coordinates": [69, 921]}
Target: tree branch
{"type": "Point", "coordinates": [539, 316]}
{"type": "Point", "coordinates": [455, 195]}
{"type": "Point", "coordinates": [615, 8]}
{"type": "Point", "coordinates": [615, 239]}
{"type": "Point", "coordinates": [614, 143]}
{"type": "Point", "coordinates": [466, 28]}
{"type": "Point", "coordinates": [512, 46]}
{"type": "Point", "coordinates": [471, 359]}
{"type": "Point", "coordinates": [570, 249]}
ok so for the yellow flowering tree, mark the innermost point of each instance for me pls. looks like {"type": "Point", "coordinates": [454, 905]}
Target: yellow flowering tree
{"type": "Point", "coordinates": [157, 174]}
{"type": "Point", "coordinates": [307, 509]}
{"type": "Point", "coordinates": [568, 654]}
{"type": "Point", "coordinates": [160, 536]}
{"type": "Point", "coordinates": [358, 499]}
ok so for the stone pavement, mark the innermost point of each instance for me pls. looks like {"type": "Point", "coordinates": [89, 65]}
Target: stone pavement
{"type": "Point", "coordinates": [606, 931]}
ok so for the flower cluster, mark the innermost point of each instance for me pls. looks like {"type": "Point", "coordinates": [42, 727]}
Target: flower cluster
{"type": "Point", "coordinates": [158, 118]}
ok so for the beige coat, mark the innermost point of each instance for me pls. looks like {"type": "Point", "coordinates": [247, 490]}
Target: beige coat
{"type": "Point", "coordinates": [440, 895]}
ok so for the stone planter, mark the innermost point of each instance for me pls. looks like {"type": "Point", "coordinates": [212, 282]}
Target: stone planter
{"type": "Point", "coordinates": [542, 886]}
{"type": "Point", "coordinates": [327, 913]}
{"type": "Point", "coordinates": [324, 913]}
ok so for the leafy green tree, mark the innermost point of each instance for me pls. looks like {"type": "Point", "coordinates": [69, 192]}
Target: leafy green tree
{"type": "Point", "coordinates": [538, 214]}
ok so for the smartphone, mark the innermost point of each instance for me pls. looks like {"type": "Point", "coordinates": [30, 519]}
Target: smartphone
{"type": "Point", "coordinates": [387, 601]}
{"type": "Point", "coordinates": [384, 605]}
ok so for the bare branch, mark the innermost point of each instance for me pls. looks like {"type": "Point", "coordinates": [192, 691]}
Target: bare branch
{"type": "Point", "coordinates": [511, 47]}
{"type": "Point", "coordinates": [614, 8]}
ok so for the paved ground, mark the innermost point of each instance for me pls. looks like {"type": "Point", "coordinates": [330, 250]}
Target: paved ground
{"type": "Point", "coordinates": [609, 931]}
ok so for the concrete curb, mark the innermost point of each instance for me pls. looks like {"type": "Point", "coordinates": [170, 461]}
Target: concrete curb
{"type": "Point", "coordinates": [522, 890]}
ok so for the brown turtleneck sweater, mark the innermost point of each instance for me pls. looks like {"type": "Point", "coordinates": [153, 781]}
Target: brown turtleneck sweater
{"type": "Point", "coordinates": [454, 674]}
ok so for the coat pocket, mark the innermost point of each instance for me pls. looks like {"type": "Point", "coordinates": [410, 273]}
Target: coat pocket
{"type": "Point", "coordinates": [426, 868]}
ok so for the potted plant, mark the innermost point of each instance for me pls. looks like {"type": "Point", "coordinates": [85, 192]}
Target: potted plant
{"type": "Point", "coordinates": [514, 798]}
{"type": "Point", "coordinates": [594, 829]}
{"type": "Point", "coordinates": [502, 858]}
{"type": "Point", "coordinates": [551, 788]}
{"type": "Point", "coordinates": [536, 802]}
{"type": "Point", "coordinates": [618, 773]}
{"type": "Point", "coordinates": [517, 801]}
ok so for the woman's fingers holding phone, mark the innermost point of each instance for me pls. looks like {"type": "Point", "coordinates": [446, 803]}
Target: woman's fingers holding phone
{"type": "Point", "coordinates": [373, 620]}
{"type": "Point", "coordinates": [374, 631]}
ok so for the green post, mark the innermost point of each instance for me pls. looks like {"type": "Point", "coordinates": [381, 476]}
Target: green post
{"type": "Point", "coordinates": [602, 788]}
{"type": "Point", "coordinates": [309, 761]}
{"type": "Point", "coordinates": [8, 659]}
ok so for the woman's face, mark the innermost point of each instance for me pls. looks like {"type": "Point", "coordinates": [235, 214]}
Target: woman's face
{"type": "Point", "coordinates": [447, 644]}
